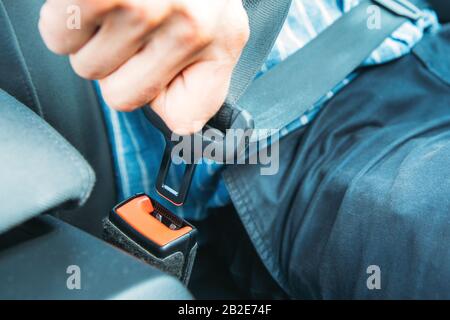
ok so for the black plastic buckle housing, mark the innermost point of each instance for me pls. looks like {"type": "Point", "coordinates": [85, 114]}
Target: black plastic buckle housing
{"type": "Point", "coordinates": [147, 230]}
{"type": "Point", "coordinates": [182, 244]}
{"type": "Point", "coordinates": [239, 120]}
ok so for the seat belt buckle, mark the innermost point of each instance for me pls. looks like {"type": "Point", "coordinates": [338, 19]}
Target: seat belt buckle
{"type": "Point", "coordinates": [144, 228]}
{"type": "Point", "coordinates": [403, 8]}
{"type": "Point", "coordinates": [223, 141]}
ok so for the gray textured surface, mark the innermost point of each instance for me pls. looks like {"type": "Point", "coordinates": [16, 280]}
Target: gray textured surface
{"type": "Point", "coordinates": [266, 18]}
{"type": "Point", "coordinates": [34, 266]}
{"type": "Point", "coordinates": [172, 264]}
{"type": "Point", "coordinates": [39, 169]}
{"type": "Point", "coordinates": [190, 264]}
{"type": "Point", "coordinates": [46, 84]}
{"type": "Point", "coordinates": [308, 74]}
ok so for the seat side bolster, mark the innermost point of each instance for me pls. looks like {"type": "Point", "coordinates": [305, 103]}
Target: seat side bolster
{"type": "Point", "coordinates": [39, 169]}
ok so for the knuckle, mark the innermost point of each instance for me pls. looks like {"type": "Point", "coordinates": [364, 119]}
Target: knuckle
{"type": "Point", "coordinates": [146, 15]}
{"type": "Point", "coordinates": [50, 36]}
{"type": "Point", "coordinates": [196, 30]}
{"type": "Point", "coordinates": [140, 15]}
{"type": "Point", "coordinates": [54, 45]}
{"type": "Point", "coordinates": [115, 101]}
{"type": "Point", "coordinates": [92, 9]}
{"type": "Point", "coordinates": [194, 37]}
{"type": "Point", "coordinates": [87, 67]}
{"type": "Point", "coordinates": [201, 37]}
{"type": "Point", "coordinates": [149, 92]}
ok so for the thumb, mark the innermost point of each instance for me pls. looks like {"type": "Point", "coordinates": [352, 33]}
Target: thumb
{"type": "Point", "coordinates": [194, 96]}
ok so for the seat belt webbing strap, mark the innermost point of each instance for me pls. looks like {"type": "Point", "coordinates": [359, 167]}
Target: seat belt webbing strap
{"type": "Point", "coordinates": [266, 18]}
{"type": "Point", "coordinates": [288, 90]}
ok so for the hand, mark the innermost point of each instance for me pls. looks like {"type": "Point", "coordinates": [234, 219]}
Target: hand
{"type": "Point", "coordinates": [177, 55]}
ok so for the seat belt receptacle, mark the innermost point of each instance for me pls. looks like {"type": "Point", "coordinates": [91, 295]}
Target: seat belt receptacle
{"type": "Point", "coordinates": [144, 228]}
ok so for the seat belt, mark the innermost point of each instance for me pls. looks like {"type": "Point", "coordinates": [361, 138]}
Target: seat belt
{"type": "Point", "coordinates": [288, 90]}
{"type": "Point", "coordinates": [322, 64]}
{"type": "Point", "coordinates": [266, 18]}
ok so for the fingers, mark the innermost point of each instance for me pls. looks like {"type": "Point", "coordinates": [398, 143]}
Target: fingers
{"type": "Point", "coordinates": [108, 49]}
{"type": "Point", "coordinates": [177, 55]}
{"type": "Point", "coordinates": [122, 34]}
{"type": "Point", "coordinates": [194, 97]}
{"type": "Point", "coordinates": [67, 25]}
{"type": "Point", "coordinates": [172, 48]}
{"type": "Point", "coordinates": [180, 72]}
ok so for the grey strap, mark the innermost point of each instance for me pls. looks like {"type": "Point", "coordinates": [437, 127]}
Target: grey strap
{"type": "Point", "coordinates": [266, 18]}
{"type": "Point", "coordinates": [288, 90]}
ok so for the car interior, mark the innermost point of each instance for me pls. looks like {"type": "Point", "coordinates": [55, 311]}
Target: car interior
{"type": "Point", "coordinates": [52, 213]}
